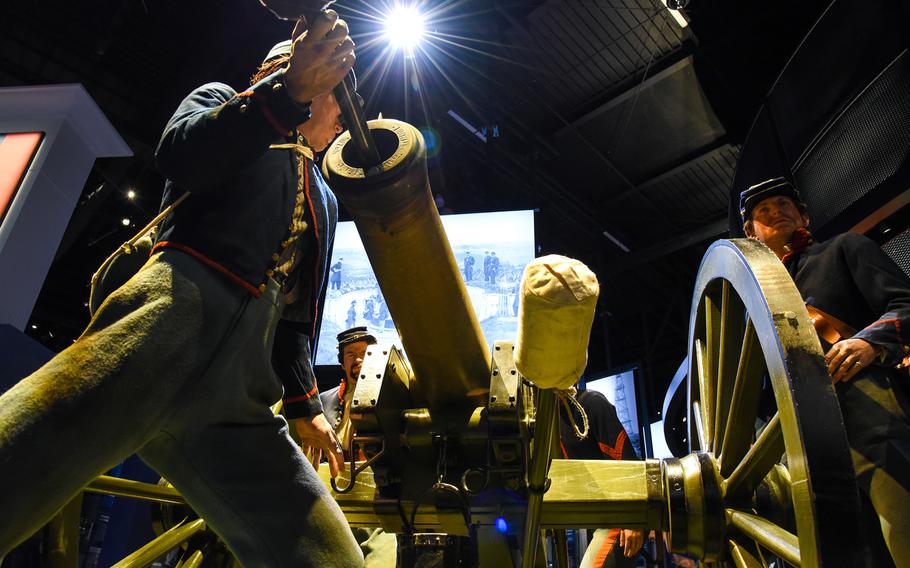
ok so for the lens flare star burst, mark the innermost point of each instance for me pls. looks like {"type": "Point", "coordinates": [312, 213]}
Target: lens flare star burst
{"type": "Point", "coordinates": [404, 27]}
{"type": "Point", "coordinates": [427, 43]}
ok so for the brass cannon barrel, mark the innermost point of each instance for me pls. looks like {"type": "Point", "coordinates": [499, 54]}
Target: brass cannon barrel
{"type": "Point", "coordinates": [393, 208]}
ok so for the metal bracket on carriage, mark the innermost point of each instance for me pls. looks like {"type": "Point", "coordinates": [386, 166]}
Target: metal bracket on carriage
{"type": "Point", "coordinates": [507, 422]}
{"type": "Point", "coordinates": [381, 397]}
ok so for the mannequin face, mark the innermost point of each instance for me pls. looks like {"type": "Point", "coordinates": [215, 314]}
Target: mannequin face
{"type": "Point", "coordinates": [352, 359]}
{"type": "Point", "coordinates": [324, 123]}
{"type": "Point", "coordinates": [774, 220]}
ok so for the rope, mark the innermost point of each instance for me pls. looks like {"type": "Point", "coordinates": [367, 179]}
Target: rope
{"type": "Point", "coordinates": [566, 396]}
{"type": "Point", "coordinates": [151, 224]}
{"type": "Point", "coordinates": [299, 148]}
{"type": "Point", "coordinates": [129, 246]}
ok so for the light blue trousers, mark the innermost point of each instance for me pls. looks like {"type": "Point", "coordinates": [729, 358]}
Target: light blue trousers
{"type": "Point", "coordinates": [175, 365]}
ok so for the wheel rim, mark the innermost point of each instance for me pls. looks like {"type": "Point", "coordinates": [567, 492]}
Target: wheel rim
{"type": "Point", "coordinates": [748, 321]}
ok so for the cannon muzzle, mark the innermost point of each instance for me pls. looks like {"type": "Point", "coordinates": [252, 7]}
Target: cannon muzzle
{"type": "Point", "coordinates": [393, 209]}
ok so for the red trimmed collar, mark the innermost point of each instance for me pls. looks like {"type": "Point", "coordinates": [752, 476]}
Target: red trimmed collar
{"type": "Point", "coordinates": [800, 241]}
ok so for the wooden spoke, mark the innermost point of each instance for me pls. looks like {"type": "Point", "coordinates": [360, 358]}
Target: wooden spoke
{"type": "Point", "coordinates": [742, 558]}
{"type": "Point", "coordinates": [163, 543]}
{"type": "Point", "coordinates": [135, 489]}
{"type": "Point", "coordinates": [709, 362]}
{"type": "Point", "coordinates": [703, 421]}
{"type": "Point", "coordinates": [698, 424]}
{"type": "Point", "coordinates": [740, 419]}
{"type": "Point", "coordinates": [766, 534]}
{"type": "Point", "coordinates": [193, 561]}
{"type": "Point", "coordinates": [761, 457]}
{"type": "Point", "coordinates": [763, 556]}
{"type": "Point", "coordinates": [732, 323]}
{"type": "Point", "coordinates": [784, 475]}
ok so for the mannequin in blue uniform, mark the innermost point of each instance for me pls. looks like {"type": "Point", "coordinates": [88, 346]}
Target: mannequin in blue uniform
{"type": "Point", "coordinates": [860, 303]}
{"type": "Point", "coordinates": [176, 364]}
{"type": "Point", "coordinates": [380, 549]}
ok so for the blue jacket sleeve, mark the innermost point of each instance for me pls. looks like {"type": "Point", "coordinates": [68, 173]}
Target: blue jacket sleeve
{"type": "Point", "coordinates": [886, 289]}
{"type": "Point", "coordinates": [292, 363]}
{"type": "Point", "coordinates": [216, 131]}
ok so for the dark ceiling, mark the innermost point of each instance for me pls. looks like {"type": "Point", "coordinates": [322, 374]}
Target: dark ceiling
{"type": "Point", "coordinates": [618, 125]}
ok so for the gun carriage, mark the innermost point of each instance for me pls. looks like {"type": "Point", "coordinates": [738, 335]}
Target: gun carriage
{"type": "Point", "coordinates": [459, 441]}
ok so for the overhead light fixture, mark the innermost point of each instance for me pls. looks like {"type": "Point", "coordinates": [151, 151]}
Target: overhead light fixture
{"type": "Point", "coordinates": [616, 241]}
{"type": "Point", "coordinates": [125, 221]}
{"type": "Point", "coordinates": [130, 194]}
{"type": "Point", "coordinates": [674, 7]}
{"type": "Point", "coordinates": [467, 125]}
{"type": "Point", "coordinates": [404, 26]}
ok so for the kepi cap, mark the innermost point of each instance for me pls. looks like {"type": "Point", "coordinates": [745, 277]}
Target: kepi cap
{"type": "Point", "coordinates": [749, 198]}
{"type": "Point", "coordinates": [353, 335]}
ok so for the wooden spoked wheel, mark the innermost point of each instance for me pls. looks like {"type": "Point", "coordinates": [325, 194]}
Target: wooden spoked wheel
{"type": "Point", "coordinates": [784, 477]}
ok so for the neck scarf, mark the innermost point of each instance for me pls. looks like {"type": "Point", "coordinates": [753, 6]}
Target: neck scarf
{"type": "Point", "coordinates": [800, 241]}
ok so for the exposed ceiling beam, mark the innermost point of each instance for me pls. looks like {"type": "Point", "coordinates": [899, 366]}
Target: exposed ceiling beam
{"type": "Point", "coordinates": [552, 192]}
{"type": "Point", "coordinates": [659, 250]}
{"type": "Point", "coordinates": [573, 126]}
{"type": "Point", "coordinates": [680, 59]}
{"type": "Point", "coordinates": [717, 149]}
{"type": "Point", "coordinates": [566, 122]}
{"type": "Point", "coordinates": [709, 153]}
{"type": "Point", "coordinates": [623, 93]}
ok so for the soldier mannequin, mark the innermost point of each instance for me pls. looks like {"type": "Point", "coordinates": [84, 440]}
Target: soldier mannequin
{"type": "Point", "coordinates": [849, 284]}
{"type": "Point", "coordinates": [176, 364]}
{"type": "Point", "coordinates": [606, 440]}
{"type": "Point", "coordinates": [379, 547]}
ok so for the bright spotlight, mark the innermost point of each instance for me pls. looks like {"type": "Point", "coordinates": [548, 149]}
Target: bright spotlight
{"type": "Point", "coordinates": [404, 27]}
{"type": "Point", "coordinates": [125, 221]}
{"type": "Point", "coordinates": [130, 194]}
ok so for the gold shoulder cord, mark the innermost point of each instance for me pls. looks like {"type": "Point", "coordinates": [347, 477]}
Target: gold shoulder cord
{"type": "Point", "coordinates": [299, 148]}
{"type": "Point", "coordinates": [287, 259]}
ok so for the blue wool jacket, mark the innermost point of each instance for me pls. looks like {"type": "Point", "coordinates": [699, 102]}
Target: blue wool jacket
{"type": "Point", "coordinates": [851, 278]}
{"type": "Point", "coordinates": [216, 146]}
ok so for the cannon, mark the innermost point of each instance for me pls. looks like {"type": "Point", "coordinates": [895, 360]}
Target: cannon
{"type": "Point", "coordinates": [785, 491]}
{"type": "Point", "coordinates": [460, 441]}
